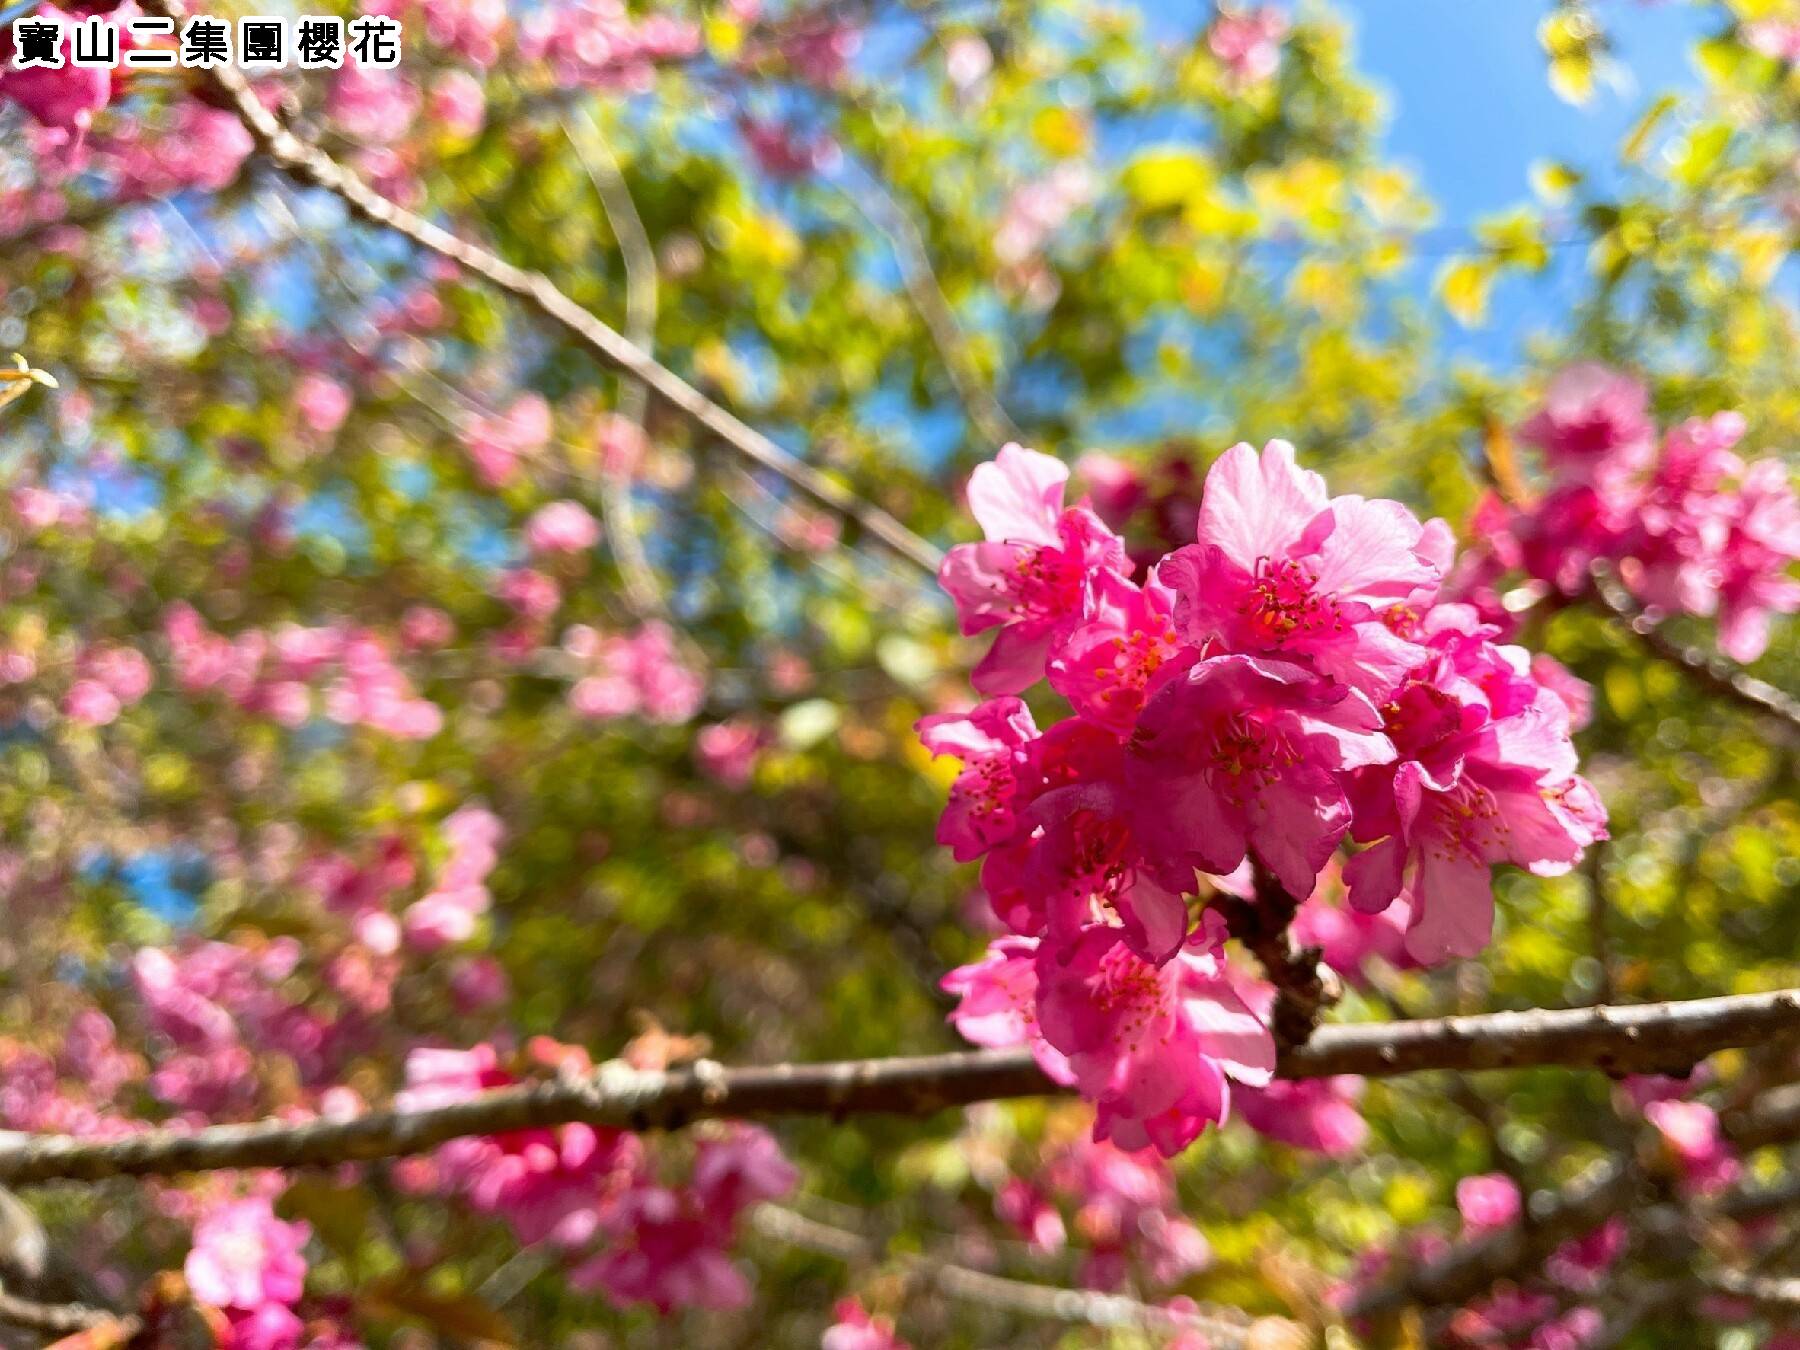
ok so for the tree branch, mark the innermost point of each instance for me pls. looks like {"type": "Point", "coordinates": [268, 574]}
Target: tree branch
{"type": "Point", "coordinates": [1304, 985]}
{"type": "Point", "coordinates": [1711, 672]}
{"type": "Point", "coordinates": [1225, 1328]}
{"type": "Point", "coordinates": [1646, 1037]}
{"type": "Point", "coordinates": [308, 164]}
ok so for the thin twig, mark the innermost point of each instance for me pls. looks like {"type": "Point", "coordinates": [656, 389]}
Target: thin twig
{"type": "Point", "coordinates": [614, 194]}
{"type": "Point", "coordinates": [877, 205]}
{"type": "Point", "coordinates": [308, 164]}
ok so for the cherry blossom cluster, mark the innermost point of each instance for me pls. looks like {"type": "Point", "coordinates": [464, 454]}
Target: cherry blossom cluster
{"type": "Point", "coordinates": [592, 1196]}
{"type": "Point", "coordinates": [1546, 1311]}
{"type": "Point", "coordinates": [1287, 683]}
{"type": "Point", "coordinates": [498, 442]}
{"type": "Point", "coordinates": [1684, 522]}
{"type": "Point", "coordinates": [448, 913]}
{"type": "Point", "coordinates": [250, 1266]}
{"type": "Point", "coordinates": [1247, 43]}
{"type": "Point", "coordinates": [290, 672]}
{"type": "Point", "coordinates": [641, 674]}
{"type": "Point", "coordinates": [214, 1007]}
{"type": "Point", "coordinates": [1122, 1207]}
{"type": "Point", "coordinates": [200, 147]}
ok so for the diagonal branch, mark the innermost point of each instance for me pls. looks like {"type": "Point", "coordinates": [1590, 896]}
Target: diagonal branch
{"type": "Point", "coordinates": [1713, 673]}
{"type": "Point", "coordinates": [1667, 1037]}
{"type": "Point", "coordinates": [1579, 1207]}
{"type": "Point", "coordinates": [67, 1319]}
{"type": "Point", "coordinates": [308, 164]}
{"type": "Point", "coordinates": [1471, 1267]}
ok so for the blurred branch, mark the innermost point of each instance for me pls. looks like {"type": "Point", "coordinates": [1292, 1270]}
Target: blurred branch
{"type": "Point", "coordinates": [878, 205]}
{"type": "Point", "coordinates": [602, 168]}
{"type": "Point", "coordinates": [1579, 1207]}
{"type": "Point", "coordinates": [1771, 1293]}
{"type": "Point", "coordinates": [1711, 672]}
{"type": "Point", "coordinates": [1653, 1037]}
{"type": "Point", "coordinates": [1473, 1266]}
{"type": "Point", "coordinates": [1225, 1328]}
{"type": "Point", "coordinates": [68, 1319]}
{"type": "Point", "coordinates": [306, 163]}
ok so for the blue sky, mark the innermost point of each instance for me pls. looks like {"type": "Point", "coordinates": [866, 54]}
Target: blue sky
{"type": "Point", "coordinates": [1472, 108]}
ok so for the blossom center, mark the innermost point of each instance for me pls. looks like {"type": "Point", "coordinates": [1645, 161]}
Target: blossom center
{"type": "Point", "coordinates": [1046, 582]}
{"type": "Point", "coordinates": [1283, 601]}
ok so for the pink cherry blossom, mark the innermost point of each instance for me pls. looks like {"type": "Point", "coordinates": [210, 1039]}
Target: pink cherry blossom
{"type": "Point", "coordinates": [457, 103]}
{"type": "Point", "coordinates": [665, 1255]}
{"type": "Point", "coordinates": [1694, 1142]}
{"type": "Point", "coordinates": [272, 1326]}
{"type": "Point", "coordinates": [1027, 579]}
{"type": "Point", "coordinates": [1349, 939]}
{"type": "Point", "coordinates": [551, 1185]}
{"type": "Point", "coordinates": [1024, 1207]}
{"type": "Point", "coordinates": [531, 593]}
{"type": "Point", "coordinates": [1594, 420]}
{"type": "Point", "coordinates": [1127, 1216]}
{"type": "Point", "coordinates": [1490, 1201]}
{"type": "Point", "coordinates": [1314, 1113]}
{"type": "Point", "coordinates": [727, 751]}
{"type": "Point", "coordinates": [1154, 1049]}
{"type": "Point", "coordinates": [643, 673]}
{"type": "Point", "coordinates": [91, 702]}
{"type": "Point", "coordinates": [321, 403]}
{"type": "Point", "coordinates": [1245, 753]}
{"type": "Point", "coordinates": [65, 98]}
{"type": "Point", "coordinates": [855, 1328]}
{"type": "Point", "coordinates": [1248, 44]}
{"type": "Point", "coordinates": [1281, 569]}
{"type": "Point", "coordinates": [1286, 682]}
{"type": "Point", "coordinates": [1687, 524]}
{"type": "Point", "coordinates": [244, 1257]}
{"type": "Point", "coordinates": [1486, 775]}
{"type": "Point", "coordinates": [561, 527]}
{"type": "Point", "coordinates": [371, 105]}
{"type": "Point", "coordinates": [997, 1003]}
{"type": "Point", "coordinates": [498, 442]}
{"type": "Point", "coordinates": [992, 742]}
{"type": "Point", "coordinates": [1775, 38]}
{"type": "Point", "coordinates": [1124, 650]}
